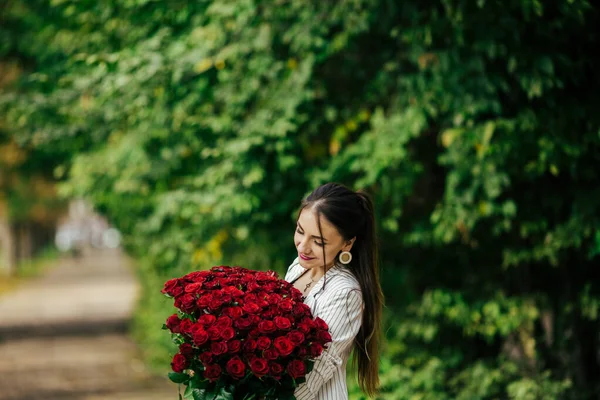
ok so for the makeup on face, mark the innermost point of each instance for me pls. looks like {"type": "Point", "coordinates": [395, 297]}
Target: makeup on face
{"type": "Point", "coordinates": [310, 244]}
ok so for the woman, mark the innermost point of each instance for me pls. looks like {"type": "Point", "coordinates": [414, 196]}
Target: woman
{"type": "Point", "coordinates": [336, 270]}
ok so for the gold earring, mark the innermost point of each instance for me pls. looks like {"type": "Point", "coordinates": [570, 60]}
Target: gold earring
{"type": "Point", "coordinates": [345, 257]}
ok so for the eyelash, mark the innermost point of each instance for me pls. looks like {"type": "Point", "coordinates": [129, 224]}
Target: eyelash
{"type": "Point", "coordinates": [317, 243]}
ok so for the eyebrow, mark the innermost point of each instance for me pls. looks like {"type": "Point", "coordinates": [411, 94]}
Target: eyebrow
{"type": "Point", "coordinates": [316, 237]}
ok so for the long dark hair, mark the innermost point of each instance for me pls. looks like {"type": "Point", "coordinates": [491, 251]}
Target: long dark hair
{"type": "Point", "coordinates": [352, 214]}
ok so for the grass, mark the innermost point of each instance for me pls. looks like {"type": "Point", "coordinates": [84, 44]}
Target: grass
{"type": "Point", "coordinates": [28, 269]}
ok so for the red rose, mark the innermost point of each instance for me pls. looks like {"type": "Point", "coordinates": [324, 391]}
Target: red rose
{"type": "Point", "coordinates": [254, 319]}
{"type": "Point", "coordinates": [259, 366]}
{"type": "Point", "coordinates": [263, 343]}
{"type": "Point", "coordinates": [304, 328]}
{"type": "Point", "coordinates": [223, 282]}
{"type": "Point", "coordinates": [301, 310]}
{"type": "Point", "coordinates": [263, 303]}
{"type": "Point", "coordinates": [234, 346]}
{"type": "Point", "coordinates": [243, 323]}
{"type": "Point", "coordinates": [218, 348]}
{"type": "Point", "coordinates": [235, 312]}
{"type": "Point", "coordinates": [296, 337]}
{"type": "Point", "coordinates": [296, 294]}
{"type": "Point", "coordinates": [204, 301]}
{"type": "Point", "coordinates": [253, 286]}
{"type": "Point", "coordinates": [323, 337]}
{"type": "Point", "coordinates": [195, 327]}
{"type": "Point", "coordinates": [200, 337]}
{"type": "Point", "coordinates": [282, 323]}
{"type": "Point", "coordinates": [186, 349]}
{"type": "Point", "coordinates": [236, 368]}
{"type": "Point", "coordinates": [250, 297]}
{"type": "Point", "coordinates": [215, 303]}
{"type": "Point", "coordinates": [211, 284]}
{"type": "Point", "coordinates": [207, 320]}
{"type": "Point", "coordinates": [193, 288]}
{"type": "Point", "coordinates": [227, 334]}
{"type": "Point", "coordinates": [267, 327]}
{"type": "Point", "coordinates": [233, 291]}
{"type": "Point", "coordinates": [308, 321]}
{"type": "Point", "coordinates": [196, 276]}
{"type": "Point", "coordinates": [186, 326]}
{"type": "Point", "coordinates": [283, 345]}
{"type": "Point", "coordinates": [286, 305]}
{"type": "Point", "coordinates": [173, 323]}
{"type": "Point", "coordinates": [172, 288]}
{"type": "Point", "coordinates": [179, 363]}
{"type": "Point", "coordinates": [224, 322]}
{"type": "Point", "coordinates": [206, 357]}
{"type": "Point", "coordinates": [226, 298]}
{"type": "Point", "coordinates": [302, 352]}
{"type": "Point", "coordinates": [254, 333]}
{"type": "Point", "coordinates": [188, 303]}
{"type": "Point", "coordinates": [265, 276]}
{"type": "Point", "coordinates": [296, 369]}
{"type": "Point", "coordinates": [214, 333]}
{"type": "Point", "coordinates": [212, 372]}
{"type": "Point", "coordinates": [276, 369]}
{"type": "Point", "coordinates": [271, 354]}
{"type": "Point", "coordinates": [249, 345]}
{"type": "Point", "coordinates": [320, 324]}
{"type": "Point", "coordinates": [251, 308]}
{"type": "Point", "coordinates": [315, 350]}
{"type": "Point", "coordinates": [274, 299]}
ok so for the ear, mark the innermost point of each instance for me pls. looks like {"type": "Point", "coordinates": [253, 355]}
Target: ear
{"type": "Point", "coordinates": [348, 245]}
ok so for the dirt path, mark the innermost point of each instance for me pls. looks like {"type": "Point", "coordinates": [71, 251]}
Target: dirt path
{"type": "Point", "coordinates": [63, 336]}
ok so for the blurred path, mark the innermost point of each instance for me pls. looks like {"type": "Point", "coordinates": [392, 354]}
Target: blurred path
{"type": "Point", "coordinates": [63, 336]}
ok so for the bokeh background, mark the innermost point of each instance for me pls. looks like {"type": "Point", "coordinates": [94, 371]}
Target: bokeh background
{"type": "Point", "coordinates": [191, 130]}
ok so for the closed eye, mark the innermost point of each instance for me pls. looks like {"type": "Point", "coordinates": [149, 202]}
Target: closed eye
{"type": "Point", "coordinates": [316, 242]}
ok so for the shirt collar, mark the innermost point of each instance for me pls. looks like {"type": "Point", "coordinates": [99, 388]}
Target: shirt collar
{"type": "Point", "coordinates": [298, 270]}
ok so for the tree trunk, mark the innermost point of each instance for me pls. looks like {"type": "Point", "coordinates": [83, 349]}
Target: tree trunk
{"type": "Point", "coordinates": [25, 241]}
{"type": "Point", "coordinates": [7, 248]}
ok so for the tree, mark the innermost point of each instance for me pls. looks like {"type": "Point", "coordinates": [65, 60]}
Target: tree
{"type": "Point", "coordinates": [29, 206]}
{"type": "Point", "coordinates": [198, 127]}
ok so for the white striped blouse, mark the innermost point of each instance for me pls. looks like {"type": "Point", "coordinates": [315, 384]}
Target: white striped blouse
{"type": "Point", "coordinates": [340, 304]}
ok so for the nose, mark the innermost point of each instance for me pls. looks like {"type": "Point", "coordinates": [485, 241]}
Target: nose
{"type": "Point", "coordinates": [303, 246]}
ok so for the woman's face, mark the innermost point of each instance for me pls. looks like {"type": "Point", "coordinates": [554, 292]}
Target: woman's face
{"type": "Point", "coordinates": [310, 244]}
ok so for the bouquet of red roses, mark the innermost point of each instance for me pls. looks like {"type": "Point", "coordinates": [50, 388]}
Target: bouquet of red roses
{"type": "Point", "coordinates": [242, 334]}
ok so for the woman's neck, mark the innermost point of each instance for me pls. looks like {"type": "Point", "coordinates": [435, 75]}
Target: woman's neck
{"type": "Point", "coordinates": [317, 273]}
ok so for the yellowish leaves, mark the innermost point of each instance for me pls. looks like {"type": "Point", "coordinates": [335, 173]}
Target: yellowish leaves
{"type": "Point", "coordinates": [86, 102]}
{"type": "Point", "coordinates": [334, 146]}
{"type": "Point", "coordinates": [212, 251]}
{"type": "Point", "coordinates": [484, 208]}
{"type": "Point", "coordinates": [219, 64]}
{"type": "Point", "coordinates": [342, 131]}
{"type": "Point", "coordinates": [159, 92]}
{"type": "Point", "coordinates": [292, 63]}
{"type": "Point", "coordinates": [11, 154]}
{"type": "Point", "coordinates": [364, 115]}
{"type": "Point", "coordinates": [203, 65]}
{"type": "Point", "coordinates": [9, 72]}
{"type": "Point", "coordinates": [115, 137]}
{"type": "Point", "coordinates": [427, 60]}
{"type": "Point", "coordinates": [449, 135]}
{"type": "Point", "coordinates": [207, 63]}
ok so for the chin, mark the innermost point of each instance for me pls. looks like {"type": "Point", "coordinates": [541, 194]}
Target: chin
{"type": "Point", "coordinates": [306, 264]}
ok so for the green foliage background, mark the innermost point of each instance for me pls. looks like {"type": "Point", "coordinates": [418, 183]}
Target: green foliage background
{"type": "Point", "coordinates": [197, 127]}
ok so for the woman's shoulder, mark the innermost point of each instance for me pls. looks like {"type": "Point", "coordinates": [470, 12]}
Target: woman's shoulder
{"type": "Point", "coordinates": [342, 280]}
{"type": "Point", "coordinates": [290, 269]}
